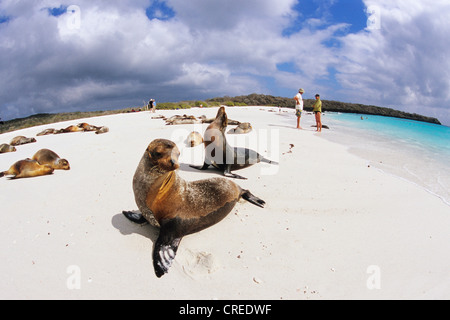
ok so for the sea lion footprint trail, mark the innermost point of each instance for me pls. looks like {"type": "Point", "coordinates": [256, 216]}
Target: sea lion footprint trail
{"type": "Point", "coordinates": [179, 207]}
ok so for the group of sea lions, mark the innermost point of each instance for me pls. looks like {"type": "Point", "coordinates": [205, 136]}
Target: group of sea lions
{"type": "Point", "coordinates": [81, 127]}
{"type": "Point", "coordinates": [190, 119]}
{"type": "Point", "coordinates": [180, 207]}
{"type": "Point", "coordinates": [44, 162]}
{"type": "Point", "coordinates": [16, 141]}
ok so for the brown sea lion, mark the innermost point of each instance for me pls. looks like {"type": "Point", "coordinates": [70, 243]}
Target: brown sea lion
{"type": "Point", "coordinates": [194, 139]}
{"type": "Point", "coordinates": [47, 132]}
{"type": "Point", "coordinates": [72, 128]}
{"type": "Point", "coordinates": [87, 127]}
{"type": "Point", "coordinates": [50, 158]}
{"type": "Point", "coordinates": [229, 122]}
{"type": "Point", "coordinates": [17, 141]}
{"type": "Point", "coordinates": [244, 127]}
{"type": "Point", "coordinates": [179, 207]}
{"type": "Point", "coordinates": [184, 119]}
{"type": "Point", "coordinates": [27, 168]}
{"type": "Point", "coordinates": [4, 148]}
{"type": "Point", "coordinates": [221, 155]}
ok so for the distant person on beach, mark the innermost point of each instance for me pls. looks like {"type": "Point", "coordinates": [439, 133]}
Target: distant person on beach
{"type": "Point", "coordinates": [299, 106]}
{"type": "Point", "coordinates": [317, 109]}
{"type": "Point", "coordinates": [152, 105]}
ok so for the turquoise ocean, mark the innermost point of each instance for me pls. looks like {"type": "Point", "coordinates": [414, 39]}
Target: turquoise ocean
{"type": "Point", "coordinates": [416, 151]}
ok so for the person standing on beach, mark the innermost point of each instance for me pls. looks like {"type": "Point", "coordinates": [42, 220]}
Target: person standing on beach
{"type": "Point", "coordinates": [317, 109]}
{"type": "Point", "coordinates": [299, 106]}
{"type": "Point", "coordinates": [152, 105]}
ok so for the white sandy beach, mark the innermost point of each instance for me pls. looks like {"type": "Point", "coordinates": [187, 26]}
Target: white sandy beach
{"type": "Point", "coordinates": [333, 227]}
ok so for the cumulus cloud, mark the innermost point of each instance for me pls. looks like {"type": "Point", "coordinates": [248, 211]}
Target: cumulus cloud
{"type": "Point", "coordinates": [121, 53]}
{"type": "Point", "coordinates": [402, 62]}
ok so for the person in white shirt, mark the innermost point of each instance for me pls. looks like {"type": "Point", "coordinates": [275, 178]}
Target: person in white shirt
{"type": "Point", "coordinates": [299, 106]}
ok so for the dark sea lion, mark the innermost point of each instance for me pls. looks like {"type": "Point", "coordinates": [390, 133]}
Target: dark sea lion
{"type": "Point", "coordinates": [17, 141]}
{"type": "Point", "coordinates": [179, 207]}
{"type": "Point", "coordinates": [244, 127]}
{"type": "Point", "coordinates": [221, 155]}
{"type": "Point", "coordinates": [50, 158]}
{"type": "Point", "coordinates": [4, 148]}
{"type": "Point", "coordinates": [27, 168]}
{"type": "Point", "coordinates": [194, 139]}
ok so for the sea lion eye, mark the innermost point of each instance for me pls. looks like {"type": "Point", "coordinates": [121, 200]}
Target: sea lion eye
{"type": "Point", "coordinates": [155, 154]}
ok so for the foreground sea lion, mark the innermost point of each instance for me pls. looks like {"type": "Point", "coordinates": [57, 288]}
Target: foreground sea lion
{"type": "Point", "coordinates": [27, 168]}
{"type": "Point", "coordinates": [17, 141]}
{"type": "Point", "coordinates": [4, 148]}
{"type": "Point", "coordinates": [50, 158]}
{"type": "Point", "coordinates": [179, 207]}
{"type": "Point", "coordinates": [221, 155]}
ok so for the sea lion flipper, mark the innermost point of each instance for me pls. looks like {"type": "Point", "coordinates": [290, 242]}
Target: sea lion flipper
{"type": "Point", "coordinates": [135, 217]}
{"type": "Point", "coordinates": [247, 195]}
{"type": "Point", "coordinates": [227, 173]}
{"type": "Point", "coordinates": [164, 253]}
{"type": "Point", "coordinates": [204, 167]}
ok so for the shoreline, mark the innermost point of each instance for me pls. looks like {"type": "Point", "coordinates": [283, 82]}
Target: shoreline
{"type": "Point", "coordinates": [329, 220]}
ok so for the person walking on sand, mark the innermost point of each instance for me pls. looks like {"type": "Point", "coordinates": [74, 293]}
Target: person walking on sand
{"type": "Point", "coordinates": [317, 109]}
{"type": "Point", "coordinates": [299, 106]}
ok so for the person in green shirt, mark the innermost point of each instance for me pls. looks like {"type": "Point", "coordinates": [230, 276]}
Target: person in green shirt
{"type": "Point", "coordinates": [317, 109]}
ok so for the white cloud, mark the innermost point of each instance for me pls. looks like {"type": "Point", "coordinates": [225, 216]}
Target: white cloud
{"type": "Point", "coordinates": [117, 57]}
{"type": "Point", "coordinates": [402, 64]}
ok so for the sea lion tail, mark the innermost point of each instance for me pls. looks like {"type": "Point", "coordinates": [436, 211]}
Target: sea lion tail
{"type": "Point", "coordinates": [268, 161]}
{"type": "Point", "coordinates": [164, 253]}
{"type": "Point", "coordinates": [247, 195]}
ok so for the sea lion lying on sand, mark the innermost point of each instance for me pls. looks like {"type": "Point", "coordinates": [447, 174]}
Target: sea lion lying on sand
{"type": "Point", "coordinates": [17, 141]}
{"type": "Point", "coordinates": [50, 158]}
{"type": "Point", "coordinates": [244, 127]}
{"type": "Point", "coordinates": [27, 168]}
{"type": "Point", "coordinates": [4, 148]}
{"type": "Point", "coordinates": [221, 155]}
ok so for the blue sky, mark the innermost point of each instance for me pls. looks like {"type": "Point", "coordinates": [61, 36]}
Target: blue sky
{"type": "Point", "coordinates": [115, 54]}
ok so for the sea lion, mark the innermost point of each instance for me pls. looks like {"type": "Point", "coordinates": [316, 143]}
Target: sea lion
{"type": "Point", "coordinates": [179, 207]}
{"type": "Point", "coordinates": [101, 130]}
{"type": "Point", "coordinates": [4, 148]}
{"type": "Point", "coordinates": [221, 155]}
{"type": "Point", "coordinates": [17, 141]}
{"type": "Point", "coordinates": [244, 127]}
{"type": "Point", "coordinates": [27, 168]}
{"type": "Point", "coordinates": [87, 127]}
{"type": "Point", "coordinates": [184, 119]}
{"type": "Point", "coordinates": [47, 132]}
{"type": "Point", "coordinates": [72, 128]}
{"type": "Point", "coordinates": [230, 122]}
{"type": "Point", "coordinates": [50, 158]}
{"type": "Point", "coordinates": [194, 139]}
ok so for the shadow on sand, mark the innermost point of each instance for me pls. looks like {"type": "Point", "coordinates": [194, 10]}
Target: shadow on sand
{"type": "Point", "coordinates": [127, 227]}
